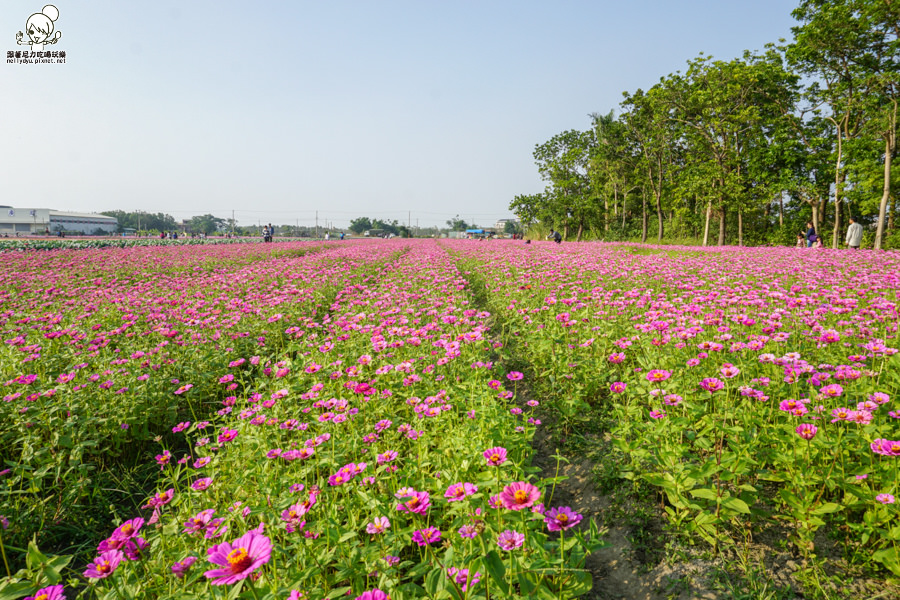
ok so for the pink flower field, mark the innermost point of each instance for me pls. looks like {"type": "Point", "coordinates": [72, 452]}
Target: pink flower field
{"type": "Point", "coordinates": [356, 419]}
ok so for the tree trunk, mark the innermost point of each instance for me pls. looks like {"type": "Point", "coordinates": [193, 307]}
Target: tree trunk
{"type": "Point", "coordinates": [838, 180]}
{"type": "Point", "coordinates": [706, 227]}
{"type": "Point", "coordinates": [659, 218]}
{"type": "Point", "coordinates": [781, 210]}
{"type": "Point", "coordinates": [740, 227]}
{"type": "Point", "coordinates": [722, 215]}
{"type": "Point", "coordinates": [882, 208]}
{"type": "Point", "coordinates": [578, 235]}
{"type": "Point", "coordinates": [643, 217]}
{"type": "Point", "coordinates": [605, 213]}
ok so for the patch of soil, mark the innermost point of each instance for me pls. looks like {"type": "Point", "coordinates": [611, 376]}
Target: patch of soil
{"type": "Point", "coordinates": [626, 571]}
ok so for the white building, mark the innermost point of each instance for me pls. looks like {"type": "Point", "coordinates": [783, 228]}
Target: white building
{"type": "Point", "coordinates": [500, 225]}
{"type": "Point", "coordinates": [26, 221]}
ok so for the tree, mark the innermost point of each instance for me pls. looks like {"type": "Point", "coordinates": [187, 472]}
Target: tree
{"type": "Point", "coordinates": [563, 162]}
{"type": "Point", "coordinates": [457, 224]}
{"type": "Point", "coordinates": [842, 44]}
{"type": "Point", "coordinates": [729, 110]}
{"type": "Point", "coordinates": [657, 139]}
{"type": "Point", "coordinates": [206, 224]}
{"type": "Point", "coordinates": [360, 225]}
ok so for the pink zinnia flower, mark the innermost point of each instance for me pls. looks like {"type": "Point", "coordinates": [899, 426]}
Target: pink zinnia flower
{"type": "Point", "coordinates": [807, 431]}
{"type": "Point", "coordinates": [831, 391]}
{"type": "Point", "coordinates": [510, 540]}
{"type": "Point", "coordinates": [53, 592]}
{"type": "Point", "coordinates": [180, 569]}
{"type": "Point", "coordinates": [561, 518]}
{"type": "Point", "coordinates": [375, 594]}
{"type": "Point", "coordinates": [711, 384]}
{"type": "Point", "coordinates": [128, 529]}
{"type": "Point", "coordinates": [618, 387]}
{"type": "Point", "coordinates": [160, 499]}
{"type": "Point", "coordinates": [379, 525]}
{"type": "Point", "coordinates": [519, 495]}
{"type": "Point", "coordinates": [104, 565]}
{"type": "Point", "coordinates": [514, 376]}
{"type": "Point", "coordinates": [418, 503]}
{"type": "Point", "coordinates": [886, 447]}
{"type": "Point", "coordinates": [495, 456]}
{"type": "Point", "coordinates": [657, 375]}
{"type": "Point", "coordinates": [239, 559]}
{"type": "Point", "coordinates": [427, 536]}
{"type": "Point", "coordinates": [459, 491]}
{"type": "Point", "coordinates": [885, 498]}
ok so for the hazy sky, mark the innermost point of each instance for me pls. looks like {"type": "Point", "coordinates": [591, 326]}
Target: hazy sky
{"type": "Point", "coordinates": [277, 109]}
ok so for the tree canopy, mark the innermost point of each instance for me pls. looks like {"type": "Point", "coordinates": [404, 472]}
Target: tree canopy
{"type": "Point", "coordinates": [745, 150]}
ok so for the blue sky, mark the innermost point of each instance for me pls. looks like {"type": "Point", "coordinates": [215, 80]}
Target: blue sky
{"type": "Point", "coordinates": [276, 110]}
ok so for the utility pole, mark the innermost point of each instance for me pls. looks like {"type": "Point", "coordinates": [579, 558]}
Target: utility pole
{"type": "Point", "coordinates": [232, 223]}
{"type": "Point", "coordinates": [317, 224]}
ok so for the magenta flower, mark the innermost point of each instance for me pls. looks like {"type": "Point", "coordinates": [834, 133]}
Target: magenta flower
{"type": "Point", "coordinates": [561, 518]}
{"type": "Point", "coordinates": [379, 525]}
{"type": "Point", "coordinates": [180, 569]}
{"type": "Point", "coordinates": [375, 594]}
{"type": "Point", "coordinates": [495, 456]}
{"type": "Point", "coordinates": [807, 431]}
{"type": "Point", "coordinates": [53, 592]}
{"type": "Point", "coordinates": [459, 491]}
{"type": "Point", "coordinates": [468, 531]}
{"type": "Point", "coordinates": [239, 559]}
{"type": "Point", "coordinates": [618, 387]}
{"type": "Point", "coordinates": [657, 375]}
{"type": "Point", "coordinates": [831, 391]}
{"type": "Point", "coordinates": [418, 503]}
{"type": "Point", "coordinates": [202, 484]}
{"type": "Point", "coordinates": [885, 498]}
{"type": "Point", "coordinates": [463, 578]}
{"type": "Point", "coordinates": [386, 457]}
{"type": "Point", "coordinates": [514, 376]}
{"type": "Point", "coordinates": [104, 565]}
{"type": "Point", "coordinates": [134, 548]}
{"type": "Point", "coordinates": [886, 447]}
{"type": "Point", "coordinates": [510, 540]}
{"type": "Point", "coordinates": [427, 536]}
{"type": "Point", "coordinates": [160, 499]}
{"type": "Point", "coordinates": [519, 495]}
{"type": "Point", "coordinates": [711, 384]}
{"type": "Point", "coordinates": [128, 529]}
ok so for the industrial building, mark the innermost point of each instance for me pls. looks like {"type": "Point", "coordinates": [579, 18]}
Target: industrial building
{"type": "Point", "coordinates": [36, 221]}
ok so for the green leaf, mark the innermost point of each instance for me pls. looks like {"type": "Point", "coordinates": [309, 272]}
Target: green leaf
{"type": "Point", "coordinates": [497, 570]}
{"type": "Point", "coordinates": [828, 507]}
{"type": "Point", "coordinates": [737, 505]}
{"type": "Point", "coordinates": [14, 591]}
{"type": "Point", "coordinates": [433, 581]}
{"type": "Point", "coordinates": [706, 493]}
{"type": "Point", "coordinates": [888, 557]}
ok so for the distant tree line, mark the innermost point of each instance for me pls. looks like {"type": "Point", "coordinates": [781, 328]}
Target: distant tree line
{"type": "Point", "coordinates": [743, 151]}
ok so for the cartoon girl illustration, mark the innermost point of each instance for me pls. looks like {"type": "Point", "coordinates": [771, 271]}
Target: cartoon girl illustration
{"type": "Point", "coordinates": [40, 29]}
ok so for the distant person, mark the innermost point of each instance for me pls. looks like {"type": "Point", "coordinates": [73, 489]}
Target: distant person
{"type": "Point", "coordinates": [555, 236]}
{"type": "Point", "coordinates": [811, 236]}
{"type": "Point", "coordinates": [327, 236]}
{"type": "Point", "coordinates": [854, 234]}
{"type": "Point", "coordinates": [342, 236]}
{"type": "Point", "coordinates": [801, 240]}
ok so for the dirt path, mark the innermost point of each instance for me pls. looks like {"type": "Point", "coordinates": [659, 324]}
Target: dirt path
{"type": "Point", "coordinates": [617, 571]}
